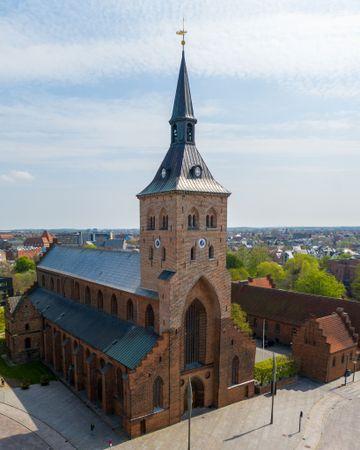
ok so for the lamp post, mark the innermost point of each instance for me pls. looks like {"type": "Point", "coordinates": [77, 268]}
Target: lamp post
{"type": "Point", "coordinates": [273, 389]}
{"type": "Point", "coordinates": [189, 402]}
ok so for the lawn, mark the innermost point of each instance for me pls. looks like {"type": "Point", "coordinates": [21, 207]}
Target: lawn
{"type": "Point", "coordinates": [30, 371]}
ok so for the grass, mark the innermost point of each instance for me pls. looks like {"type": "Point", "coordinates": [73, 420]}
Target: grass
{"type": "Point", "coordinates": [30, 371]}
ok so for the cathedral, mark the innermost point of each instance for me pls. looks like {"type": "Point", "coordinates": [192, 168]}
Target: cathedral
{"type": "Point", "coordinates": [132, 329]}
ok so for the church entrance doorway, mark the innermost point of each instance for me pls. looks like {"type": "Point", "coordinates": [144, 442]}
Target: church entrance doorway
{"type": "Point", "coordinates": [198, 394]}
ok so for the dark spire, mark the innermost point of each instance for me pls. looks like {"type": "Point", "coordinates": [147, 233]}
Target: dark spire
{"type": "Point", "coordinates": [183, 108]}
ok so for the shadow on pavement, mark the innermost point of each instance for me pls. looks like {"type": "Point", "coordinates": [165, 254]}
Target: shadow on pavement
{"type": "Point", "coordinates": [246, 432]}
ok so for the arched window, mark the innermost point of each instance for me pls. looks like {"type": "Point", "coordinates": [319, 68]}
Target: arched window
{"type": "Point", "coordinates": [158, 393]}
{"type": "Point", "coordinates": [43, 281]}
{"type": "Point", "coordinates": [174, 133]}
{"type": "Point", "coordinates": [100, 300]}
{"type": "Point", "coordinates": [211, 252]}
{"type": "Point", "coordinates": [76, 291]}
{"type": "Point", "coordinates": [211, 219]}
{"type": "Point", "coordinates": [149, 316]}
{"type": "Point", "coordinates": [151, 253]}
{"type": "Point", "coordinates": [189, 132]}
{"type": "Point", "coordinates": [87, 296]}
{"type": "Point", "coordinates": [193, 219]}
{"type": "Point", "coordinates": [119, 384]}
{"type": "Point", "coordinates": [235, 370]}
{"type": "Point", "coordinates": [114, 305]}
{"type": "Point", "coordinates": [195, 334]}
{"type": "Point", "coordinates": [27, 343]}
{"type": "Point", "coordinates": [193, 253]}
{"type": "Point", "coordinates": [163, 254]}
{"type": "Point", "coordinates": [52, 285]}
{"type": "Point", "coordinates": [58, 286]}
{"type": "Point", "coordinates": [129, 310]}
{"type": "Point", "coordinates": [163, 219]}
{"type": "Point", "coordinates": [151, 221]}
{"type": "Point", "coordinates": [27, 326]}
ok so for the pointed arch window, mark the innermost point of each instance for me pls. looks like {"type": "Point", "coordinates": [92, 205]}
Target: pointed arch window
{"type": "Point", "coordinates": [87, 296]}
{"type": "Point", "coordinates": [174, 133]}
{"type": "Point", "coordinates": [149, 317]}
{"type": "Point", "coordinates": [211, 219]}
{"type": "Point", "coordinates": [158, 393]}
{"type": "Point", "coordinates": [119, 384]}
{"type": "Point", "coordinates": [235, 370]}
{"type": "Point", "coordinates": [58, 286]}
{"type": "Point", "coordinates": [189, 132]}
{"type": "Point", "coordinates": [100, 301]}
{"type": "Point", "coordinates": [211, 252]}
{"type": "Point", "coordinates": [52, 284]}
{"type": "Point", "coordinates": [43, 281]}
{"type": "Point", "coordinates": [114, 305]}
{"type": "Point", "coordinates": [76, 291]}
{"type": "Point", "coordinates": [151, 253]}
{"type": "Point", "coordinates": [195, 334]}
{"type": "Point", "coordinates": [193, 254]}
{"type": "Point", "coordinates": [130, 310]}
{"type": "Point", "coordinates": [27, 343]}
{"type": "Point", "coordinates": [193, 219]}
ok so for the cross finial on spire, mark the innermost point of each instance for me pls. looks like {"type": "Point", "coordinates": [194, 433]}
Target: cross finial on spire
{"type": "Point", "coordinates": [182, 33]}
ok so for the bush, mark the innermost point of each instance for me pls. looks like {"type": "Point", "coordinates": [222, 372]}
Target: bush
{"type": "Point", "coordinates": [44, 380]}
{"type": "Point", "coordinates": [285, 368]}
{"type": "Point", "coordinates": [25, 384]}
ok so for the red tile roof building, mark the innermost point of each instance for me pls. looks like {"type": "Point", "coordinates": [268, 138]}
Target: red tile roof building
{"type": "Point", "coordinates": [325, 347]}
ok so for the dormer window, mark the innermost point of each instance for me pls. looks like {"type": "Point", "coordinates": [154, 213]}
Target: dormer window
{"type": "Point", "coordinates": [174, 133]}
{"type": "Point", "coordinates": [189, 132]}
{"type": "Point", "coordinates": [197, 171]}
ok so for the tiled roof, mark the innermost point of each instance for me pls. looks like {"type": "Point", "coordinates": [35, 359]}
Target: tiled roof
{"type": "Point", "coordinates": [265, 282]}
{"type": "Point", "coordinates": [179, 161]}
{"type": "Point", "coordinates": [290, 307]}
{"type": "Point", "coordinates": [116, 269]}
{"type": "Point", "coordinates": [336, 333]}
{"type": "Point", "coordinates": [123, 341]}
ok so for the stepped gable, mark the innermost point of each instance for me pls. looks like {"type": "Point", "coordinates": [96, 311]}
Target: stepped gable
{"type": "Point", "coordinates": [336, 331]}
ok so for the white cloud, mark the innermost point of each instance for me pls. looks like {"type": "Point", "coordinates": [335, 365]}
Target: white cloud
{"type": "Point", "coordinates": [16, 176]}
{"type": "Point", "coordinates": [313, 47]}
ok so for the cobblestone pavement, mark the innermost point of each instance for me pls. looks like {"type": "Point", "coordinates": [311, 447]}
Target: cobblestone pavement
{"type": "Point", "coordinates": [54, 415]}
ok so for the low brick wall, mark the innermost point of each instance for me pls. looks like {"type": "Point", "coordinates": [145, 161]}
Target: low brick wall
{"type": "Point", "coordinates": [279, 384]}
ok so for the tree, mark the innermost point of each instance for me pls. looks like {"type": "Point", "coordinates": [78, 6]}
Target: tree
{"type": "Point", "coordinates": [271, 268]}
{"type": "Point", "coordinates": [355, 285]}
{"type": "Point", "coordinates": [233, 261]}
{"type": "Point", "coordinates": [315, 281]}
{"type": "Point", "coordinates": [257, 255]}
{"type": "Point", "coordinates": [239, 318]}
{"type": "Point", "coordinates": [239, 274]}
{"type": "Point", "coordinates": [22, 281]}
{"type": "Point", "coordinates": [297, 265]}
{"type": "Point", "coordinates": [23, 264]}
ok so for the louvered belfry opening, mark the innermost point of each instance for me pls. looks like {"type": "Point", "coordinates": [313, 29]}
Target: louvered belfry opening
{"type": "Point", "coordinates": [195, 334]}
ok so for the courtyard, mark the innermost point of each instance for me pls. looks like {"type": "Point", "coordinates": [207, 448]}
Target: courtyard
{"type": "Point", "coordinates": [53, 417]}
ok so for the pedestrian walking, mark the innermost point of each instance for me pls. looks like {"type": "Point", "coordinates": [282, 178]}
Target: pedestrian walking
{"type": "Point", "coordinates": [110, 443]}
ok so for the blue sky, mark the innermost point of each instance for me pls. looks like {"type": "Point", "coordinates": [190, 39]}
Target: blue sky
{"type": "Point", "coordinates": [86, 91]}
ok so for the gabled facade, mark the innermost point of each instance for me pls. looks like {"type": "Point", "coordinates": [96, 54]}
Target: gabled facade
{"type": "Point", "coordinates": [130, 328]}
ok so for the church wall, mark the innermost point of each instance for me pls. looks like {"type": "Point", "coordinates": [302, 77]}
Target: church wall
{"type": "Point", "coordinates": [140, 303]}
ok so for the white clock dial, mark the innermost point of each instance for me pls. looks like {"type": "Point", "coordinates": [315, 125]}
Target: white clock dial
{"type": "Point", "coordinates": [202, 243]}
{"type": "Point", "coordinates": [157, 243]}
{"type": "Point", "coordinates": [197, 171]}
{"type": "Point", "coordinates": [163, 173]}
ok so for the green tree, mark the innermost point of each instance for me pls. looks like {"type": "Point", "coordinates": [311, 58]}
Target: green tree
{"type": "Point", "coordinates": [355, 285]}
{"type": "Point", "coordinates": [271, 268]}
{"type": "Point", "coordinates": [297, 265]}
{"type": "Point", "coordinates": [239, 274]}
{"type": "Point", "coordinates": [239, 318]}
{"type": "Point", "coordinates": [23, 264]}
{"type": "Point", "coordinates": [22, 281]}
{"type": "Point", "coordinates": [257, 255]}
{"type": "Point", "coordinates": [315, 281]}
{"type": "Point", "coordinates": [243, 254]}
{"type": "Point", "coordinates": [233, 261]}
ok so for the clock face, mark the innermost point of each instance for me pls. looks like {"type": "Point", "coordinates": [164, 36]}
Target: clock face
{"type": "Point", "coordinates": [197, 171]}
{"type": "Point", "coordinates": [157, 243]}
{"type": "Point", "coordinates": [163, 173]}
{"type": "Point", "coordinates": [202, 243]}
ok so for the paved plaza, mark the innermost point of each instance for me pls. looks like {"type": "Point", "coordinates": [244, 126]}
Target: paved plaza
{"type": "Point", "coordinates": [53, 417]}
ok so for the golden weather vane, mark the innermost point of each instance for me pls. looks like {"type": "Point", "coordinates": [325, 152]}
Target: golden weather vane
{"type": "Point", "coordinates": [182, 33]}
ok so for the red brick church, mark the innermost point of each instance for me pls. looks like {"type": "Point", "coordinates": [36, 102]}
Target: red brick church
{"type": "Point", "coordinates": [131, 328]}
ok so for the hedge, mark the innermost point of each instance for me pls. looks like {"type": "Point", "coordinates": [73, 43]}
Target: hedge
{"type": "Point", "coordinates": [285, 367]}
